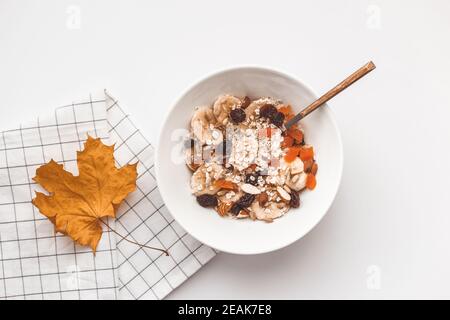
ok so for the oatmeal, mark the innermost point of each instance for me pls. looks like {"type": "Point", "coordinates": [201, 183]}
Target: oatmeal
{"type": "Point", "coordinates": [244, 165]}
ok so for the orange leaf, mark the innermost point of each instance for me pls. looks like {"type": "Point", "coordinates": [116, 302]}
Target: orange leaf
{"type": "Point", "coordinates": [75, 204]}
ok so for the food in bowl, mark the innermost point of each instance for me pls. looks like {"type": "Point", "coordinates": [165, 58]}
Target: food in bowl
{"type": "Point", "coordinates": [243, 164]}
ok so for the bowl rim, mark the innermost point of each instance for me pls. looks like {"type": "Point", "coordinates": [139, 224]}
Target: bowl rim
{"type": "Point", "coordinates": [254, 68]}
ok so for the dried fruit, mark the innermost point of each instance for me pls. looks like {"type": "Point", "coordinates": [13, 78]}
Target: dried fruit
{"type": "Point", "coordinates": [306, 153]}
{"type": "Point", "coordinates": [286, 110]}
{"type": "Point", "coordinates": [291, 154]}
{"type": "Point", "coordinates": [314, 168]}
{"type": "Point", "coordinates": [237, 115]}
{"type": "Point", "coordinates": [295, 199]}
{"type": "Point", "coordinates": [287, 142]}
{"type": "Point", "coordinates": [245, 102]}
{"type": "Point", "coordinates": [308, 164]}
{"type": "Point", "coordinates": [268, 111]}
{"type": "Point", "coordinates": [207, 200]}
{"type": "Point", "coordinates": [277, 119]}
{"type": "Point", "coordinates": [246, 200]}
{"type": "Point", "coordinates": [76, 204]}
{"type": "Point", "coordinates": [225, 184]}
{"type": "Point", "coordinates": [235, 209]}
{"type": "Point", "coordinates": [296, 134]}
{"type": "Point", "coordinates": [311, 181]}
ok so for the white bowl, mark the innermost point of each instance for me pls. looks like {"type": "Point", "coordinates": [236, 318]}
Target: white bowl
{"type": "Point", "coordinates": [246, 236]}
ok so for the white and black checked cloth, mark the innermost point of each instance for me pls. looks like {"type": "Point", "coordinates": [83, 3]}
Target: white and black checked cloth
{"type": "Point", "coordinates": [36, 263]}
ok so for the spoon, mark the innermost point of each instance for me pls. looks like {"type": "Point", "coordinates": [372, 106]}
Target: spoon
{"type": "Point", "coordinates": [347, 82]}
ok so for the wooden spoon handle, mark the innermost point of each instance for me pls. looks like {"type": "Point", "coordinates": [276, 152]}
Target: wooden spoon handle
{"type": "Point", "coordinates": [358, 74]}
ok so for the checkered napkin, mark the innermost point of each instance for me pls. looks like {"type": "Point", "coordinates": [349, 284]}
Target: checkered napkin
{"type": "Point", "coordinates": [36, 263]}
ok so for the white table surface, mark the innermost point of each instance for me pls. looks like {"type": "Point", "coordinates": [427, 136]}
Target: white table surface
{"type": "Point", "coordinates": [387, 234]}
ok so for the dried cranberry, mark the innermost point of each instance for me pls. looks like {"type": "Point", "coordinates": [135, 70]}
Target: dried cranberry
{"type": "Point", "coordinates": [237, 115]}
{"type": "Point", "coordinates": [295, 200]}
{"type": "Point", "coordinates": [268, 111]}
{"type": "Point", "coordinates": [252, 178]}
{"type": "Point", "coordinates": [207, 200]}
{"type": "Point", "coordinates": [246, 200]}
{"type": "Point", "coordinates": [245, 102]}
{"type": "Point", "coordinates": [277, 119]}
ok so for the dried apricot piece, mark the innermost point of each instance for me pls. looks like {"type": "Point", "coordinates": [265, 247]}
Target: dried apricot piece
{"type": "Point", "coordinates": [225, 184]}
{"type": "Point", "coordinates": [306, 153]}
{"type": "Point", "coordinates": [314, 168]}
{"type": "Point", "coordinates": [307, 165]}
{"type": "Point", "coordinates": [291, 154]}
{"type": "Point", "coordinates": [311, 181]}
{"type": "Point", "coordinates": [286, 110]}
{"type": "Point", "coordinates": [287, 142]}
{"type": "Point", "coordinates": [296, 134]}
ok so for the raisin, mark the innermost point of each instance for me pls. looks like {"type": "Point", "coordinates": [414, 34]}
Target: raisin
{"type": "Point", "coordinates": [252, 178]}
{"type": "Point", "coordinates": [207, 200]}
{"type": "Point", "coordinates": [267, 111]}
{"type": "Point", "coordinates": [295, 200]}
{"type": "Point", "coordinates": [246, 200]}
{"type": "Point", "coordinates": [277, 119]}
{"type": "Point", "coordinates": [235, 209]}
{"type": "Point", "coordinates": [245, 102]}
{"type": "Point", "coordinates": [237, 115]}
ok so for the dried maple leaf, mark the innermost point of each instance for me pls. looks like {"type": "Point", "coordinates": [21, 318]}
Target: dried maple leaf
{"type": "Point", "coordinates": [76, 204]}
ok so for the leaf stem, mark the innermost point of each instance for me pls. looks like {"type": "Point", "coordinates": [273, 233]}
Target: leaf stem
{"type": "Point", "coordinates": [133, 242]}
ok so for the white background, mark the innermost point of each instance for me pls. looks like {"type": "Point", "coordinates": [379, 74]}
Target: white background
{"type": "Point", "coordinates": [387, 234]}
